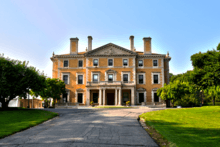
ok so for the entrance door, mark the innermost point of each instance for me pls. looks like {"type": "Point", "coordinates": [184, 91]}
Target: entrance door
{"type": "Point", "coordinates": [156, 98]}
{"type": "Point", "coordinates": [110, 98]}
{"type": "Point", "coordinates": [65, 97]}
{"type": "Point", "coordinates": [141, 97]}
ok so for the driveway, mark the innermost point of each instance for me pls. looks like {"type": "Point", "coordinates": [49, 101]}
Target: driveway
{"type": "Point", "coordinates": [85, 128]}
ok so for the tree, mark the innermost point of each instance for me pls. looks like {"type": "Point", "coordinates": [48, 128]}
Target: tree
{"type": "Point", "coordinates": [54, 89]}
{"type": "Point", "coordinates": [214, 92]}
{"type": "Point", "coordinates": [16, 79]}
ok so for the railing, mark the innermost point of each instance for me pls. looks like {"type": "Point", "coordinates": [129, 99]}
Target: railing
{"type": "Point", "coordinates": [109, 82]}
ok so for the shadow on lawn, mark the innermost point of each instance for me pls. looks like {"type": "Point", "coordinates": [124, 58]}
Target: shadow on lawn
{"type": "Point", "coordinates": [187, 136]}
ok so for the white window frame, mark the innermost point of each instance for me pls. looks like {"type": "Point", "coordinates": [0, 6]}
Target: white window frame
{"type": "Point", "coordinates": [152, 77]}
{"type": "Point", "coordinates": [152, 95]}
{"type": "Point", "coordinates": [145, 96]}
{"type": "Point", "coordinates": [68, 63]}
{"type": "Point", "coordinates": [68, 96]}
{"type": "Point", "coordinates": [82, 63]}
{"type": "Point", "coordinates": [77, 74]}
{"type": "Point", "coordinates": [122, 73]}
{"type": "Point", "coordinates": [143, 78]}
{"type": "Point", "coordinates": [113, 76]}
{"type": "Point", "coordinates": [138, 63]}
{"type": "Point", "coordinates": [95, 73]}
{"type": "Point", "coordinates": [93, 62]}
{"type": "Point", "coordinates": [123, 62]}
{"type": "Point", "coordinates": [68, 81]}
{"type": "Point", "coordinates": [112, 62]}
{"type": "Point", "coordinates": [109, 73]}
{"type": "Point", "coordinates": [153, 63]}
{"type": "Point", "coordinates": [82, 97]}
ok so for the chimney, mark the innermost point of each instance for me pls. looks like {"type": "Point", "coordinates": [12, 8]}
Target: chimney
{"type": "Point", "coordinates": [89, 43]}
{"type": "Point", "coordinates": [132, 43]}
{"type": "Point", "coordinates": [74, 45]}
{"type": "Point", "coordinates": [147, 45]}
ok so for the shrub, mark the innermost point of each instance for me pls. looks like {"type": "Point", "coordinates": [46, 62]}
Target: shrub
{"type": "Point", "coordinates": [128, 102]}
{"type": "Point", "coordinates": [91, 103]}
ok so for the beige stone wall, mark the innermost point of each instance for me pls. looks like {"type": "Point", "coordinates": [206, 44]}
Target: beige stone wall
{"type": "Point", "coordinates": [37, 103]}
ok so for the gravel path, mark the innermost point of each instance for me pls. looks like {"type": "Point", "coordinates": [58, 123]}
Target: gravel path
{"type": "Point", "coordinates": [85, 128]}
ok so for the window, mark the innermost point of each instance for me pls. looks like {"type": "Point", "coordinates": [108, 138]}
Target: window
{"type": "Point", "coordinates": [141, 79]}
{"type": "Point", "coordinates": [110, 78]}
{"type": "Point", "coordinates": [80, 98]}
{"type": "Point", "coordinates": [125, 97]}
{"type": "Point", "coordinates": [154, 62]}
{"type": "Point", "coordinates": [125, 78]}
{"type": "Point", "coordinates": [110, 62]}
{"type": "Point", "coordinates": [65, 79]}
{"type": "Point", "coordinates": [156, 79]}
{"type": "Point", "coordinates": [156, 98]}
{"type": "Point", "coordinates": [80, 63]}
{"type": "Point", "coordinates": [125, 62]}
{"type": "Point", "coordinates": [95, 78]}
{"type": "Point", "coordinates": [65, 63]}
{"type": "Point", "coordinates": [65, 98]}
{"type": "Point", "coordinates": [95, 97]}
{"type": "Point", "coordinates": [141, 97]}
{"type": "Point", "coordinates": [95, 62]}
{"type": "Point", "coordinates": [140, 63]}
{"type": "Point", "coordinates": [80, 79]}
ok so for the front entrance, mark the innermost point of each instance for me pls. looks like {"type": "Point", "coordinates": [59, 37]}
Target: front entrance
{"type": "Point", "coordinates": [110, 98]}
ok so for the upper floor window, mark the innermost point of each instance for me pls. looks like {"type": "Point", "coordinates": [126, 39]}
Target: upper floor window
{"type": "Point", "coordinates": [95, 78]}
{"type": "Point", "coordinates": [110, 62]}
{"type": "Point", "coordinates": [155, 79]}
{"type": "Point", "coordinates": [80, 79]}
{"type": "Point", "coordinates": [125, 62]}
{"type": "Point", "coordinates": [141, 79]}
{"type": "Point", "coordinates": [65, 64]}
{"type": "Point", "coordinates": [95, 62]}
{"type": "Point", "coordinates": [65, 79]}
{"type": "Point", "coordinates": [154, 62]}
{"type": "Point", "coordinates": [140, 63]}
{"type": "Point", "coordinates": [125, 78]}
{"type": "Point", "coordinates": [110, 78]}
{"type": "Point", "coordinates": [80, 63]}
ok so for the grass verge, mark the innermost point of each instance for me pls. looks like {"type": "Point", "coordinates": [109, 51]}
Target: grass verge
{"type": "Point", "coordinates": [16, 120]}
{"type": "Point", "coordinates": [191, 127]}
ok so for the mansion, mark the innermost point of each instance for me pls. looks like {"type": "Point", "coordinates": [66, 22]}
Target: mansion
{"type": "Point", "coordinates": [111, 74]}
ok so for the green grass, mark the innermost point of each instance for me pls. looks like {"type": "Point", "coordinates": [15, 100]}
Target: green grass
{"type": "Point", "coordinates": [187, 127]}
{"type": "Point", "coordinates": [112, 107]}
{"type": "Point", "coordinates": [12, 121]}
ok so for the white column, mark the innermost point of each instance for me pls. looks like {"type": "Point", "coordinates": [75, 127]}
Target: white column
{"type": "Point", "coordinates": [100, 96]}
{"type": "Point", "coordinates": [119, 97]}
{"type": "Point", "coordinates": [132, 96]}
{"type": "Point", "coordinates": [87, 97]}
{"type": "Point", "coordinates": [103, 96]}
{"type": "Point", "coordinates": [116, 97]}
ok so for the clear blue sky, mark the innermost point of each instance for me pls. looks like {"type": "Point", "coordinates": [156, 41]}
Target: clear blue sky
{"type": "Point", "coordinates": [32, 29]}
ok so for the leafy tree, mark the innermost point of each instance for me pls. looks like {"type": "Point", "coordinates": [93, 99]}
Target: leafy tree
{"type": "Point", "coordinates": [214, 92]}
{"type": "Point", "coordinates": [54, 89]}
{"type": "Point", "coordinates": [16, 79]}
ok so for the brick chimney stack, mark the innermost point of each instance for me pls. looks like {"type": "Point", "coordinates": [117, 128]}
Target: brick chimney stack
{"type": "Point", "coordinates": [132, 43]}
{"type": "Point", "coordinates": [74, 45]}
{"type": "Point", "coordinates": [147, 45]}
{"type": "Point", "coordinates": [89, 43]}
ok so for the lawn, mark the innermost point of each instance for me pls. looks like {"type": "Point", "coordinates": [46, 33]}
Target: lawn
{"type": "Point", "coordinates": [191, 127]}
{"type": "Point", "coordinates": [12, 121]}
{"type": "Point", "coordinates": [112, 107]}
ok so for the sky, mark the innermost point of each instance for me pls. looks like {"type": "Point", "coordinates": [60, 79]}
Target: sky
{"type": "Point", "coordinates": [31, 30]}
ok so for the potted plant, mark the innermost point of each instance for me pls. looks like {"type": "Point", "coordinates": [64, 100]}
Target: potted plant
{"type": "Point", "coordinates": [128, 103]}
{"type": "Point", "coordinates": [92, 103]}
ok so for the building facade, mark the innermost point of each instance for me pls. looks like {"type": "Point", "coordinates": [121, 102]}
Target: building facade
{"type": "Point", "coordinates": [111, 74]}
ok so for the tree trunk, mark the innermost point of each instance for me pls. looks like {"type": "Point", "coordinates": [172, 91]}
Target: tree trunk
{"type": "Point", "coordinates": [213, 100]}
{"type": "Point", "coordinates": [4, 104]}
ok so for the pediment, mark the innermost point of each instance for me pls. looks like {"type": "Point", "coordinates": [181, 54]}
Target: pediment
{"type": "Point", "coordinates": [110, 71]}
{"type": "Point", "coordinates": [110, 50]}
{"type": "Point", "coordinates": [141, 89]}
{"type": "Point", "coordinates": [80, 89]}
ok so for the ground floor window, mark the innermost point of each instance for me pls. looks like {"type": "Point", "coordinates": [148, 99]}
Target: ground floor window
{"type": "Point", "coordinates": [95, 97]}
{"type": "Point", "coordinates": [80, 98]}
{"type": "Point", "coordinates": [156, 98]}
{"type": "Point", "coordinates": [141, 97]}
{"type": "Point", "coordinates": [65, 98]}
{"type": "Point", "coordinates": [125, 97]}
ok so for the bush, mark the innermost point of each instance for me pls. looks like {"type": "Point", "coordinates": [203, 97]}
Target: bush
{"type": "Point", "coordinates": [91, 103]}
{"type": "Point", "coordinates": [187, 101]}
{"type": "Point", "coordinates": [128, 102]}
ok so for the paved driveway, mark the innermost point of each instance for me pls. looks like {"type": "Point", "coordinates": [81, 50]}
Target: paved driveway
{"type": "Point", "coordinates": [85, 128]}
